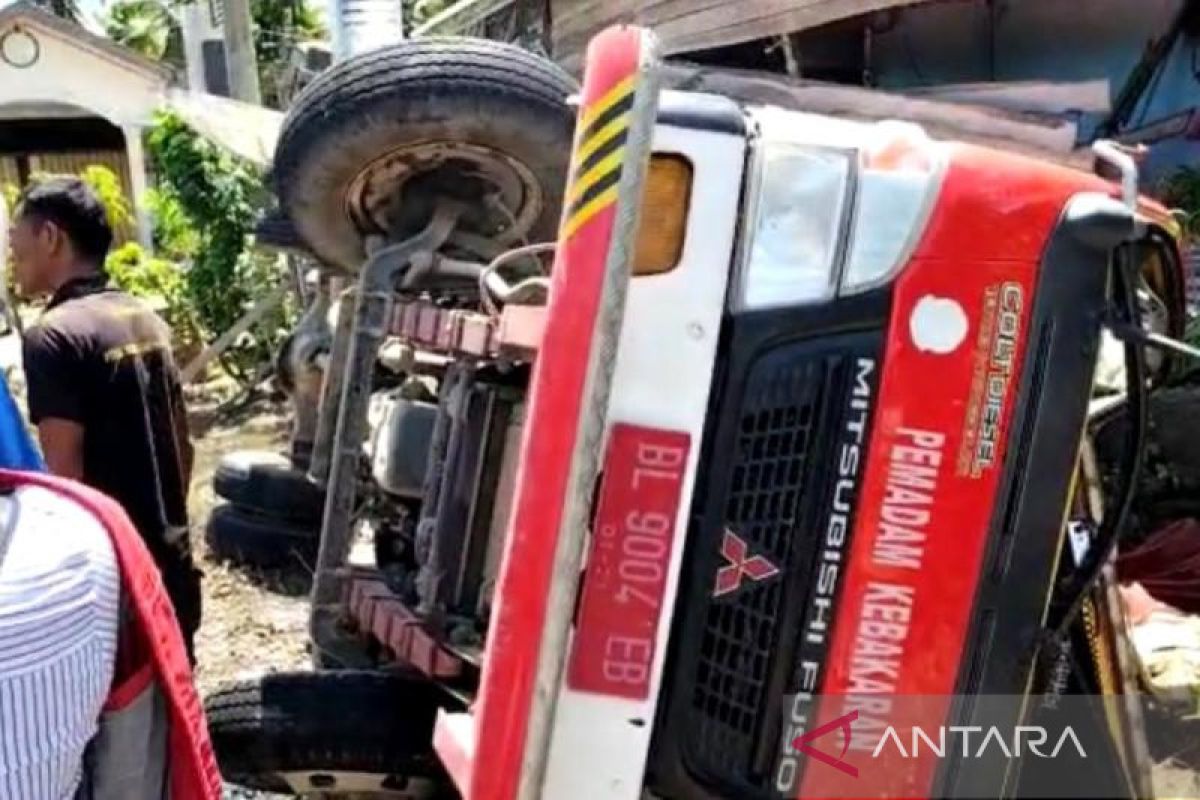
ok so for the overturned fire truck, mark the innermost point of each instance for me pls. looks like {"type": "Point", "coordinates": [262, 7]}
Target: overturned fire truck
{"type": "Point", "coordinates": [796, 425]}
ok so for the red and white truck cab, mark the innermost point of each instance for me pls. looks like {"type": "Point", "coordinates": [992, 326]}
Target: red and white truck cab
{"type": "Point", "coordinates": [805, 423]}
{"type": "Point", "coordinates": [791, 447]}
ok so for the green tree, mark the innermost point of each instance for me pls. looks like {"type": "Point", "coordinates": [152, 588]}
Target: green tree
{"type": "Point", "coordinates": [107, 186]}
{"type": "Point", "coordinates": [221, 197]}
{"type": "Point", "coordinates": [147, 26]}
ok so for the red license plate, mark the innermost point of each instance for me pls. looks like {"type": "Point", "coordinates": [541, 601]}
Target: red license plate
{"type": "Point", "coordinates": [616, 629]}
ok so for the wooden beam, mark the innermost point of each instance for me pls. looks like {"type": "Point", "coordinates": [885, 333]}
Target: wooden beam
{"type": "Point", "coordinates": [689, 25]}
{"type": "Point", "coordinates": [247, 321]}
{"type": "Point", "coordinates": [461, 16]}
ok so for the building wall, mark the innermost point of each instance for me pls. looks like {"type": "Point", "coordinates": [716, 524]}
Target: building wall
{"type": "Point", "coordinates": [1064, 40]}
{"type": "Point", "coordinates": [68, 73]}
{"type": "Point", "coordinates": [686, 26]}
{"type": "Point", "coordinates": [204, 47]}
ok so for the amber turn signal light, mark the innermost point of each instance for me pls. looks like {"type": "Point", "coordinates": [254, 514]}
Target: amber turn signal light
{"type": "Point", "coordinates": [664, 214]}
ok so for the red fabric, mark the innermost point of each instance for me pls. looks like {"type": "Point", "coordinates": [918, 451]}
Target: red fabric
{"type": "Point", "coordinates": [127, 689]}
{"type": "Point", "coordinates": [1168, 565]}
{"type": "Point", "coordinates": [193, 766]}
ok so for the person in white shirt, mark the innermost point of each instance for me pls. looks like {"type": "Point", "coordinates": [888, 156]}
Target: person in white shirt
{"type": "Point", "coordinates": [60, 589]}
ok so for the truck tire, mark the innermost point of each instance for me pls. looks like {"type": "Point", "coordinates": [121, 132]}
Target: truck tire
{"type": "Point", "coordinates": [237, 535]}
{"type": "Point", "coordinates": [267, 484]}
{"type": "Point", "coordinates": [319, 727]}
{"type": "Point", "coordinates": [401, 111]}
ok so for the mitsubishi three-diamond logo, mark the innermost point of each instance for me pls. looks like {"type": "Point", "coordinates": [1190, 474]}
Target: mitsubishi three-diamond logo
{"type": "Point", "coordinates": [739, 565]}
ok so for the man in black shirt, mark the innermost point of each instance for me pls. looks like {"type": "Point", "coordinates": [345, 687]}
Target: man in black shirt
{"type": "Point", "coordinates": [104, 390]}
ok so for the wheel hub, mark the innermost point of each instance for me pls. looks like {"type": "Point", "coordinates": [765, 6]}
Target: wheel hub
{"type": "Point", "coordinates": [395, 195]}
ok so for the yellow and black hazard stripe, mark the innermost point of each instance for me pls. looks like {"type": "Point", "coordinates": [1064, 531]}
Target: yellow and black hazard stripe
{"type": "Point", "coordinates": [600, 156]}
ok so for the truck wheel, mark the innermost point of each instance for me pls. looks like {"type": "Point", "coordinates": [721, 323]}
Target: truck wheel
{"type": "Point", "coordinates": [255, 540]}
{"type": "Point", "coordinates": [266, 483]}
{"type": "Point", "coordinates": [334, 731]}
{"type": "Point", "coordinates": [370, 143]}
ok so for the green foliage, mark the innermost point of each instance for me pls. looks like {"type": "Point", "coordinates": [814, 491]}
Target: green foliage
{"type": "Point", "coordinates": [278, 24]}
{"type": "Point", "coordinates": [146, 26]}
{"type": "Point", "coordinates": [155, 279]}
{"type": "Point", "coordinates": [150, 28]}
{"type": "Point", "coordinates": [1182, 190]}
{"type": "Point", "coordinates": [174, 234]}
{"type": "Point", "coordinates": [107, 186]}
{"type": "Point", "coordinates": [159, 282]}
{"type": "Point", "coordinates": [220, 196]}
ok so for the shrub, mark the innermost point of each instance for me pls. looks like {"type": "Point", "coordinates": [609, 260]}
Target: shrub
{"type": "Point", "coordinates": [1182, 190]}
{"type": "Point", "coordinates": [220, 197]}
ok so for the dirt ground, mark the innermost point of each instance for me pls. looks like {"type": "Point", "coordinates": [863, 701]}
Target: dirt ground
{"type": "Point", "coordinates": [253, 621]}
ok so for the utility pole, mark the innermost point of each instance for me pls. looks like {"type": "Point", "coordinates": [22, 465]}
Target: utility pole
{"type": "Point", "coordinates": [239, 53]}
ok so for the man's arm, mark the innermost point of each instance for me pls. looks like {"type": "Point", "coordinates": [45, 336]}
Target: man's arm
{"type": "Point", "coordinates": [62, 446]}
{"type": "Point", "coordinates": [54, 375]}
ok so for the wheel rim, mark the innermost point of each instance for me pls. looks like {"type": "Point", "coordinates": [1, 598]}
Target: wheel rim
{"type": "Point", "coordinates": [395, 194]}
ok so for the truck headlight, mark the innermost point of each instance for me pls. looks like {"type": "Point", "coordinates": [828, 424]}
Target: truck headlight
{"type": "Point", "coordinates": [828, 220]}
{"type": "Point", "coordinates": [899, 175]}
{"type": "Point", "coordinates": [797, 211]}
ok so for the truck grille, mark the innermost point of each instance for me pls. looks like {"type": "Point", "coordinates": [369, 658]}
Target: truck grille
{"type": "Point", "coordinates": [779, 421]}
{"type": "Point", "coordinates": [740, 635]}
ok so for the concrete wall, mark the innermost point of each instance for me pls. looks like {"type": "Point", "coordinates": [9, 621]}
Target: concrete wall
{"type": "Point", "coordinates": [67, 72]}
{"type": "Point", "coordinates": [1069, 40]}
